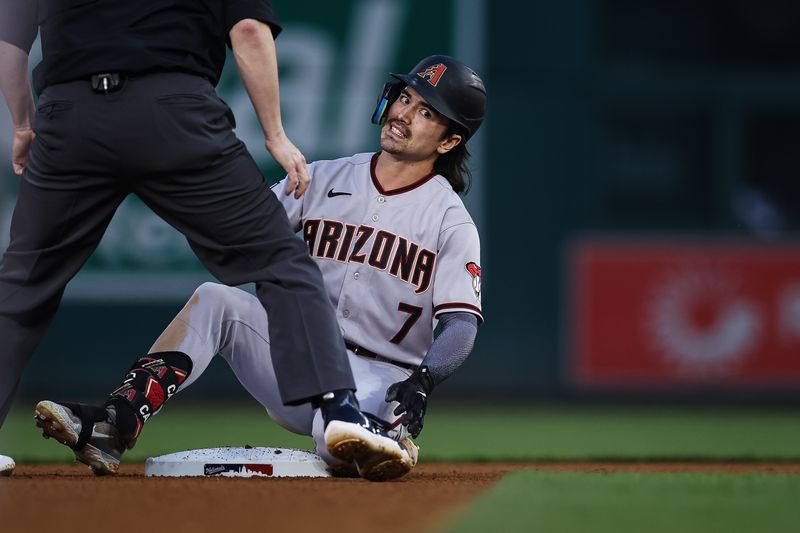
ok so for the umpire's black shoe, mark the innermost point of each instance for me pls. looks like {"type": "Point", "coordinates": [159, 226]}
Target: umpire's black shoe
{"type": "Point", "coordinates": [351, 437]}
{"type": "Point", "coordinates": [87, 429]}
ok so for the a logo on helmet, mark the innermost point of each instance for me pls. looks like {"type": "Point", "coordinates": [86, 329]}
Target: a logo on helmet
{"type": "Point", "coordinates": [433, 73]}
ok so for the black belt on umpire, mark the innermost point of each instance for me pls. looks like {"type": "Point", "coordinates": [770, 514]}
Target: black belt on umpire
{"type": "Point", "coordinates": [363, 352]}
{"type": "Point", "coordinates": [108, 82]}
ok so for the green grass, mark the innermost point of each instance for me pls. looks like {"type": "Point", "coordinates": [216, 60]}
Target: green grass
{"type": "Point", "coordinates": [618, 503]}
{"type": "Point", "coordinates": [501, 434]}
{"type": "Point", "coordinates": [578, 433]}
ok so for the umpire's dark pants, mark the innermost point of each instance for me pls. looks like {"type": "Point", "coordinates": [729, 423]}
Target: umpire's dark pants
{"type": "Point", "coordinates": [168, 139]}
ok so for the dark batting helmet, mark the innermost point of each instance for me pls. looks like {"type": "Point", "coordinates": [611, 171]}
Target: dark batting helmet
{"type": "Point", "coordinates": [448, 85]}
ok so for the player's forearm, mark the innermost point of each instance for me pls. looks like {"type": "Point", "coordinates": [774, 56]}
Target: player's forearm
{"type": "Point", "coordinates": [14, 85]}
{"type": "Point", "coordinates": [254, 50]}
{"type": "Point", "coordinates": [453, 345]}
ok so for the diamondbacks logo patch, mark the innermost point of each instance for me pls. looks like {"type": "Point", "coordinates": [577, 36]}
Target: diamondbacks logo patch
{"type": "Point", "coordinates": [475, 271]}
{"type": "Point", "coordinates": [433, 73]}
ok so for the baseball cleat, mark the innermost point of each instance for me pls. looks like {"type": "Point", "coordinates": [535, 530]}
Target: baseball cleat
{"type": "Point", "coordinates": [376, 468]}
{"type": "Point", "coordinates": [6, 465]}
{"type": "Point", "coordinates": [88, 430]}
{"type": "Point", "coordinates": [353, 438]}
{"type": "Point", "coordinates": [352, 441]}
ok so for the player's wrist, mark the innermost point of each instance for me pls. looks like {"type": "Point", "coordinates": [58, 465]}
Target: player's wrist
{"type": "Point", "coordinates": [423, 379]}
{"type": "Point", "coordinates": [274, 135]}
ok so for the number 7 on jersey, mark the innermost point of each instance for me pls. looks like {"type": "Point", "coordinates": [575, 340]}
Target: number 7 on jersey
{"type": "Point", "coordinates": [414, 313]}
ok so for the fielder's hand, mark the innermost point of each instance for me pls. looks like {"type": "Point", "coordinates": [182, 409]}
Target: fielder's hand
{"type": "Point", "coordinates": [412, 395]}
{"type": "Point", "coordinates": [287, 155]}
{"type": "Point", "coordinates": [23, 137]}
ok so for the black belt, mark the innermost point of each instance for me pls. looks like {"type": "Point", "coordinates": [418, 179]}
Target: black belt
{"type": "Point", "coordinates": [363, 352]}
{"type": "Point", "coordinates": [107, 83]}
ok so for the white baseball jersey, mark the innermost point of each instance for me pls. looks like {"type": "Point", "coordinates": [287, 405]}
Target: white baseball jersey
{"type": "Point", "coordinates": [392, 260]}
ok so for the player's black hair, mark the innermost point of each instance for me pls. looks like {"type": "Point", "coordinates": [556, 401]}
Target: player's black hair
{"type": "Point", "coordinates": [453, 165]}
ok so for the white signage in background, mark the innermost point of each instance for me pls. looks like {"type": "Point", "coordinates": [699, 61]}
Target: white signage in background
{"type": "Point", "coordinates": [368, 53]}
{"type": "Point", "coordinates": [699, 319]}
{"type": "Point", "coordinates": [326, 109]}
{"type": "Point", "coordinates": [307, 57]}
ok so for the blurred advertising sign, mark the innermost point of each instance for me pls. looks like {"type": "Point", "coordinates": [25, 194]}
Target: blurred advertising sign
{"type": "Point", "coordinates": [666, 314]}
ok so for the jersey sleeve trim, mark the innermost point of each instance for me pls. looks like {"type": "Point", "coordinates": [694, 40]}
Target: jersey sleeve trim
{"type": "Point", "coordinates": [458, 306]}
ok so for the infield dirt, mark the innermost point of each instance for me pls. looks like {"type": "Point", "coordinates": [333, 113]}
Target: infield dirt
{"type": "Point", "coordinates": [68, 498]}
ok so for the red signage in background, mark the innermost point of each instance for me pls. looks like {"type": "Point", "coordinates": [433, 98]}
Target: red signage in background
{"type": "Point", "coordinates": [668, 314]}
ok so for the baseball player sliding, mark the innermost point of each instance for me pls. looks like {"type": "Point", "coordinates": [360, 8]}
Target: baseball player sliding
{"type": "Point", "coordinates": [398, 252]}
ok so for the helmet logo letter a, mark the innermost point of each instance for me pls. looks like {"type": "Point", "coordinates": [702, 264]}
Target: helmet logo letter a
{"type": "Point", "coordinates": [433, 73]}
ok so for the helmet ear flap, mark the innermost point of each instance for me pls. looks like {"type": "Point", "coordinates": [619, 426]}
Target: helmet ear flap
{"type": "Point", "coordinates": [391, 91]}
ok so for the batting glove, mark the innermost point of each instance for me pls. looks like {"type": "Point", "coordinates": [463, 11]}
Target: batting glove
{"type": "Point", "coordinates": [412, 395]}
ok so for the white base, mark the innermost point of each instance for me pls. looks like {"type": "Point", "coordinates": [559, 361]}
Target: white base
{"type": "Point", "coordinates": [6, 465]}
{"type": "Point", "coordinates": [238, 462]}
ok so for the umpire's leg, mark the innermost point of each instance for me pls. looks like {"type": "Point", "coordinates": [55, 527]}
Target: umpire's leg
{"type": "Point", "coordinates": [53, 233]}
{"type": "Point", "coordinates": [66, 200]}
{"type": "Point", "coordinates": [207, 186]}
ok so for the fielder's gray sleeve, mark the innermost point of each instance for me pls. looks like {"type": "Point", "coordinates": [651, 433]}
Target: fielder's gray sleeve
{"type": "Point", "coordinates": [453, 345]}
